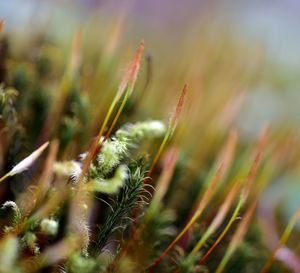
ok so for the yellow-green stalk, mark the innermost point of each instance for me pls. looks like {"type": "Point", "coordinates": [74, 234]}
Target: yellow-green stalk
{"type": "Point", "coordinates": [206, 198]}
{"type": "Point", "coordinates": [284, 237]}
{"type": "Point", "coordinates": [218, 218]}
{"type": "Point", "coordinates": [237, 237]}
{"type": "Point", "coordinates": [244, 194]}
{"type": "Point", "coordinates": [172, 126]}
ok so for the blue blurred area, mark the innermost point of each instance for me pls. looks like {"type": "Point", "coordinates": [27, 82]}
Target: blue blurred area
{"type": "Point", "coordinates": [274, 22]}
{"type": "Point", "coordinates": [272, 25]}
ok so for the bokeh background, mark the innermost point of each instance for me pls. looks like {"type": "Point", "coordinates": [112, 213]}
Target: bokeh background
{"type": "Point", "coordinates": [175, 32]}
{"type": "Point", "coordinates": [240, 58]}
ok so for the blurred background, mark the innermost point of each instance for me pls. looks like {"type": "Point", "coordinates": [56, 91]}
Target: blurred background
{"type": "Point", "coordinates": [177, 31]}
{"type": "Point", "coordinates": [240, 58]}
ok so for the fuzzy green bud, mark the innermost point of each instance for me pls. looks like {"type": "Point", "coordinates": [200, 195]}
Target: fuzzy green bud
{"type": "Point", "coordinates": [109, 157]}
{"type": "Point", "coordinates": [112, 185]}
{"type": "Point", "coordinates": [68, 168]}
{"type": "Point", "coordinates": [146, 129]}
{"type": "Point", "coordinates": [15, 215]}
{"type": "Point", "coordinates": [115, 149]}
{"type": "Point", "coordinates": [49, 227]}
{"type": "Point", "coordinates": [30, 241]}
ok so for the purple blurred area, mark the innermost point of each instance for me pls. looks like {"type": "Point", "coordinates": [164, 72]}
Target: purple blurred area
{"type": "Point", "coordinates": [166, 25]}
{"type": "Point", "coordinates": [275, 22]}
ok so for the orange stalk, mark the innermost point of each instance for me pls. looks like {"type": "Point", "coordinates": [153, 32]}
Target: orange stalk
{"type": "Point", "coordinates": [226, 156]}
{"type": "Point", "coordinates": [172, 126]}
{"type": "Point", "coordinates": [126, 86]}
{"type": "Point", "coordinates": [205, 200]}
{"type": "Point", "coordinates": [245, 191]}
{"type": "Point", "coordinates": [1, 25]}
{"type": "Point", "coordinates": [169, 165]}
{"type": "Point", "coordinates": [218, 219]}
{"type": "Point", "coordinates": [237, 237]}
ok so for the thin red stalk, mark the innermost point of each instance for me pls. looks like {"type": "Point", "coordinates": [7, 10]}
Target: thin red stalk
{"type": "Point", "coordinates": [128, 81]}
{"type": "Point", "coordinates": [245, 192]}
{"type": "Point", "coordinates": [1, 25]}
{"type": "Point", "coordinates": [125, 89]}
{"type": "Point", "coordinates": [168, 167]}
{"type": "Point", "coordinates": [206, 197]}
{"type": "Point", "coordinates": [225, 156]}
{"type": "Point", "coordinates": [218, 219]}
{"type": "Point", "coordinates": [172, 126]}
{"type": "Point", "coordinates": [260, 147]}
{"type": "Point", "coordinates": [237, 237]}
{"type": "Point", "coordinates": [162, 185]}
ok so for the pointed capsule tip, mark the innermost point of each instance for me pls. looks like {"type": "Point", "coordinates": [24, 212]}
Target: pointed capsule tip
{"type": "Point", "coordinates": [1, 24]}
